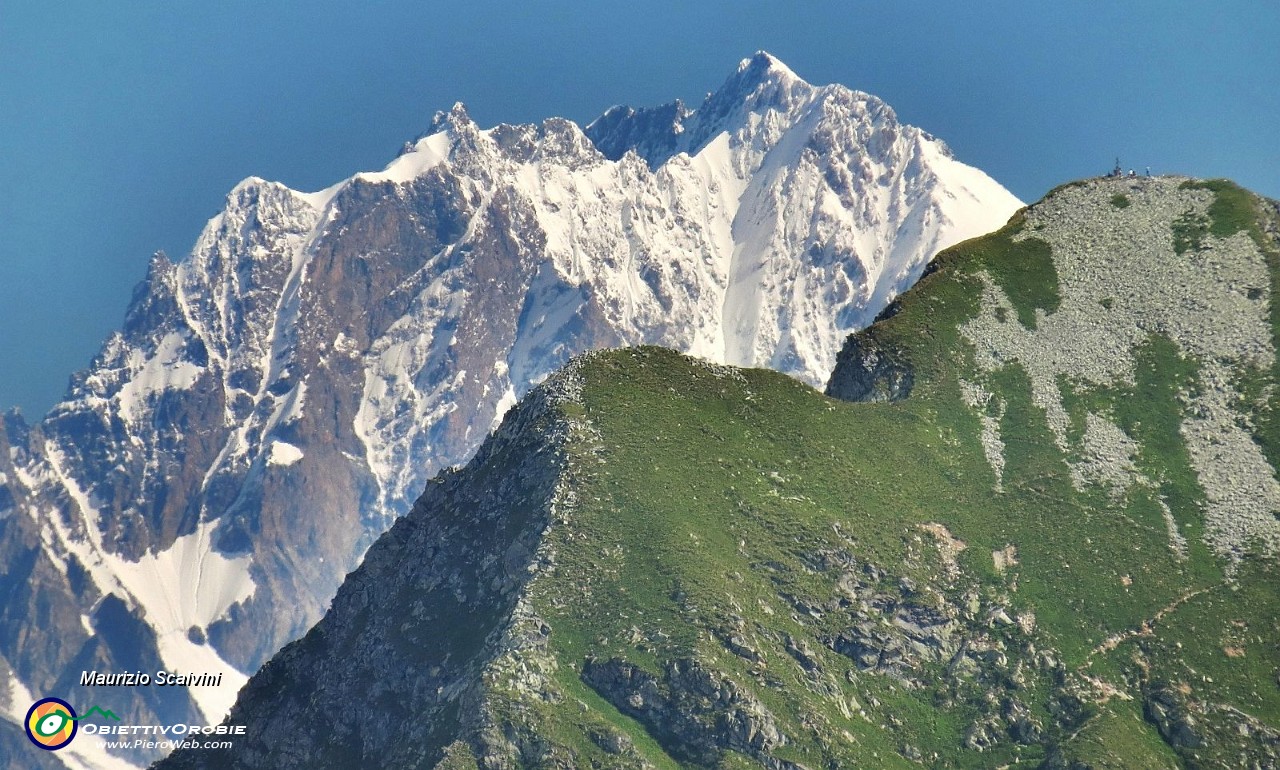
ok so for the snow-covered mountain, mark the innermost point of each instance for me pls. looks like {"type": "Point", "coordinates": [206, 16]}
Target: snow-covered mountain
{"type": "Point", "coordinates": [277, 398]}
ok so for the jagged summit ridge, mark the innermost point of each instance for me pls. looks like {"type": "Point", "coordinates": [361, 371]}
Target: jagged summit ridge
{"type": "Point", "coordinates": [761, 84]}
{"type": "Point", "coordinates": [281, 394]}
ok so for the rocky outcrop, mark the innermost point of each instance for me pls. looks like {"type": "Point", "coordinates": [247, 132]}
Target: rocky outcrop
{"type": "Point", "coordinates": [869, 371]}
{"type": "Point", "coordinates": [1193, 727]}
{"type": "Point", "coordinates": [694, 713]}
{"type": "Point", "coordinates": [1170, 713]}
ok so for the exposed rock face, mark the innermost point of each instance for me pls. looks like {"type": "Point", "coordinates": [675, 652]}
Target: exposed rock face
{"type": "Point", "coordinates": [868, 372]}
{"type": "Point", "coordinates": [694, 713]}
{"type": "Point", "coordinates": [275, 399]}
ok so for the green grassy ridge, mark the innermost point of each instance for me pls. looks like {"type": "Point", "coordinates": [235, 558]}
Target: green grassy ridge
{"type": "Point", "coordinates": [1233, 210]}
{"type": "Point", "coordinates": [686, 542]}
{"type": "Point", "coordinates": [704, 493]}
{"type": "Point", "coordinates": [663, 558]}
{"type": "Point", "coordinates": [1022, 268]}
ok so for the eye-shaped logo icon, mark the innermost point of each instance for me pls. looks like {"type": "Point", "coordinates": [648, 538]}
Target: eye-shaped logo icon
{"type": "Point", "coordinates": [51, 723]}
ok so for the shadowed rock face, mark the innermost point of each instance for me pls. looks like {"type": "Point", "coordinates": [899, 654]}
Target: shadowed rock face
{"type": "Point", "coordinates": [868, 372]}
{"type": "Point", "coordinates": [276, 398]}
{"type": "Point", "coordinates": [696, 715]}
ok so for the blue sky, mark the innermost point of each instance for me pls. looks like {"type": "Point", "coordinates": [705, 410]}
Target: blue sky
{"type": "Point", "coordinates": [123, 125]}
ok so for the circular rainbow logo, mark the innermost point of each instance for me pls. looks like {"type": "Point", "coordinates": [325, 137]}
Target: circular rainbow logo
{"type": "Point", "coordinates": [51, 723]}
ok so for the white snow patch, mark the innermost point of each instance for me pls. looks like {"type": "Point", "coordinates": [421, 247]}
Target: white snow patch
{"type": "Point", "coordinates": [166, 370]}
{"type": "Point", "coordinates": [19, 700]}
{"type": "Point", "coordinates": [187, 584]}
{"type": "Point", "coordinates": [319, 200]}
{"type": "Point", "coordinates": [283, 454]}
{"type": "Point", "coordinates": [504, 404]}
{"type": "Point", "coordinates": [213, 702]}
{"type": "Point", "coordinates": [428, 153]}
{"type": "Point", "coordinates": [290, 407]}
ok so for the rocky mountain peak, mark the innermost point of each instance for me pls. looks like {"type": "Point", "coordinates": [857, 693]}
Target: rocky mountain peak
{"type": "Point", "coordinates": [760, 81]}
{"type": "Point", "coordinates": [761, 84]}
{"type": "Point", "coordinates": [455, 119]}
{"type": "Point", "coordinates": [766, 66]}
{"type": "Point", "coordinates": [284, 393]}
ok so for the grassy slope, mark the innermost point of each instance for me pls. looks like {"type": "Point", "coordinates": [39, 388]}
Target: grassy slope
{"type": "Point", "coordinates": [707, 492]}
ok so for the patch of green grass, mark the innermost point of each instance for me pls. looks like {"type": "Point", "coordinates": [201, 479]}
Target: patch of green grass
{"type": "Point", "coordinates": [1024, 269]}
{"type": "Point", "coordinates": [1120, 201]}
{"type": "Point", "coordinates": [1120, 738]}
{"type": "Point", "coordinates": [1189, 232]}
{"type": "Point", "coordinates": [599, 716]}
{"type": "Point", "coordinates": [1082, 546]}
{"type": "Point", "coordinates": [1224, 644]}
{"type": "Point", "coordinates": [1151, 413]}
{"type": "Point", "coordinates": [1233, 210]}
{"type": "Point", "coordinates": [1218, 648]}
